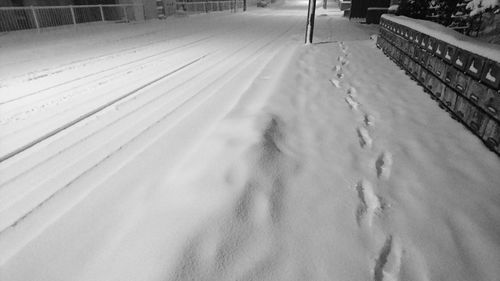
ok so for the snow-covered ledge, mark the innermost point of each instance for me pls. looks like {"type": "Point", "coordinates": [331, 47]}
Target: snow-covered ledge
{"type": "Point", "coordinates": [463, 74]}
{"type": "Point", "coordinates": [449, 36]}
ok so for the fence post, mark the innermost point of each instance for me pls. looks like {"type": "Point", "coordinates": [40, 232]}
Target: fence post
{"type": "Point", "coordinates": [72, 14]}
{"type": "Point", "coordinates": [205, 5]}
{"type": "Point", "coordinates": [37, 24]}
{"type": "Point", "coordinates": [102, 12]}
{"type": "Point", "coordinates": [125, 13]}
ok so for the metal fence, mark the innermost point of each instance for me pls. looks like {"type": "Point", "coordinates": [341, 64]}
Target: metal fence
{"type": "Point", "coordinates": [19, 18]}
{"type": "Point", "coordinates": [204, 7]}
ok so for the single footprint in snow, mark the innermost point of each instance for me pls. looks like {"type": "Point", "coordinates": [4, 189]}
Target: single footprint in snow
{"type": "Point", "coordinates": [351, 91]}
{"type": "Point", "coordinates": [383, 165]}
{"type": "Point", "coordinates": [353, 104]}
{"type": "Point", "coordinates": [340, 75]}
{"type": "Point", "coordinates": [335, 83]}
{"type": "Point", "coordinates": [369, 203]}
{"type": "Point", "coordinates": [342, 45]}
{"type": "Point", "coordinates": [342, 59]}
{"type": "Point", "coordinates": [368, 120]}
{"type": "Point", "coordinates": [337, 68]}
{"type": "Point", "coordinates": [388, 262]}
{"type": "Point", "coordinates": [364, 137]}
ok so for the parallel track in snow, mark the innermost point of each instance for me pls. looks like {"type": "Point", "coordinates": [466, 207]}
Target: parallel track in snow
{"type": "Point", "coordinates": [112, 70]}
{"type": "Point", "coordinates": [108, 75]}
{"type": "Point", "coordinates": [199, 38]}
{"type": "Point", "coordinates": [164, 104]}
{"type": "Point", "coordinates": [43, 73]}
{"type": "Point", "coordinates": [91, 113]}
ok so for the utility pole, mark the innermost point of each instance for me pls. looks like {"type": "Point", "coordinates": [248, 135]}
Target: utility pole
{"type": "Point", "coordinates": [311, 14]}
{"type": "Point", "coordinates": [307, 22]}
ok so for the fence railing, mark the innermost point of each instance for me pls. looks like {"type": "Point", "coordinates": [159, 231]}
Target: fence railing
{"type": "Point", "coordinates": [204, 6]}
{"type": "Point", "coordinates": [37, 17]}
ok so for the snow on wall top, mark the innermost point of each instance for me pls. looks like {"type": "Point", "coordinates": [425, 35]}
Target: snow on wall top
{"type": "Point", "coordinates": [478, 6]}
{"type": "Point", "coordinates": [393, 7]}
{"type": "Point", "coordinates": [449, 36]}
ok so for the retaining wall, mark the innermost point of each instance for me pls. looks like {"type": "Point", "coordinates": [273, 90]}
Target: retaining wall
{"type": "Point", "coordinates": [462, 75]}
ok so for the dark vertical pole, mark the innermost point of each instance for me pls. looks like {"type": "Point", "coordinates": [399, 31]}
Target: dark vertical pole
{"type": "Point", "coordinates": [311, 19]}
{"type": "Point", "coordinates": [324, 4]}
{"type": "Point", "coordinates": [307, 22]}
{"type": "Point", "coordinates": [244, 5]}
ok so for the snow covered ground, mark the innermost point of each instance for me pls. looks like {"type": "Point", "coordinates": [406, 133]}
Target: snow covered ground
{"type": "Point", "coordinates": [219, 147]}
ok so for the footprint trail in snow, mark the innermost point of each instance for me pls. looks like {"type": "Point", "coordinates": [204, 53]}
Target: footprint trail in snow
{"type": "Point", "coordinates": [388, 262]}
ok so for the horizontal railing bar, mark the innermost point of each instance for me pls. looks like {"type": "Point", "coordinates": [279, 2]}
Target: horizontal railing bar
{"type": "Point", "coordinates": [206, 2]}
{"type": "Point", "coordinates": [69, 6]}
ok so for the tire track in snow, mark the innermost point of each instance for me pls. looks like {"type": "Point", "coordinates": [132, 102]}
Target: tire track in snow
{"type": "Point", "coordinates": [206, 68]}
{"type": "Point", "coordinates": [85, 87]}
{"type": "Point", "coordinates": [93, 112]}
{"type": "Point", "coordinates": [47, 72]}
{"type": "Point", "coordinates": [231, 69]}
{"type": "Point", "coordinates": [128, 66]}
{"type": "Point", "coordinates": [4, 157]}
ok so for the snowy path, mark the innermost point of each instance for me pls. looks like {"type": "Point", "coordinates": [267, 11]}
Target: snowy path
{"type": "Point", "coordinates": [252, 157]}
{"type": "Point", "coordinates": [90, 124]}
